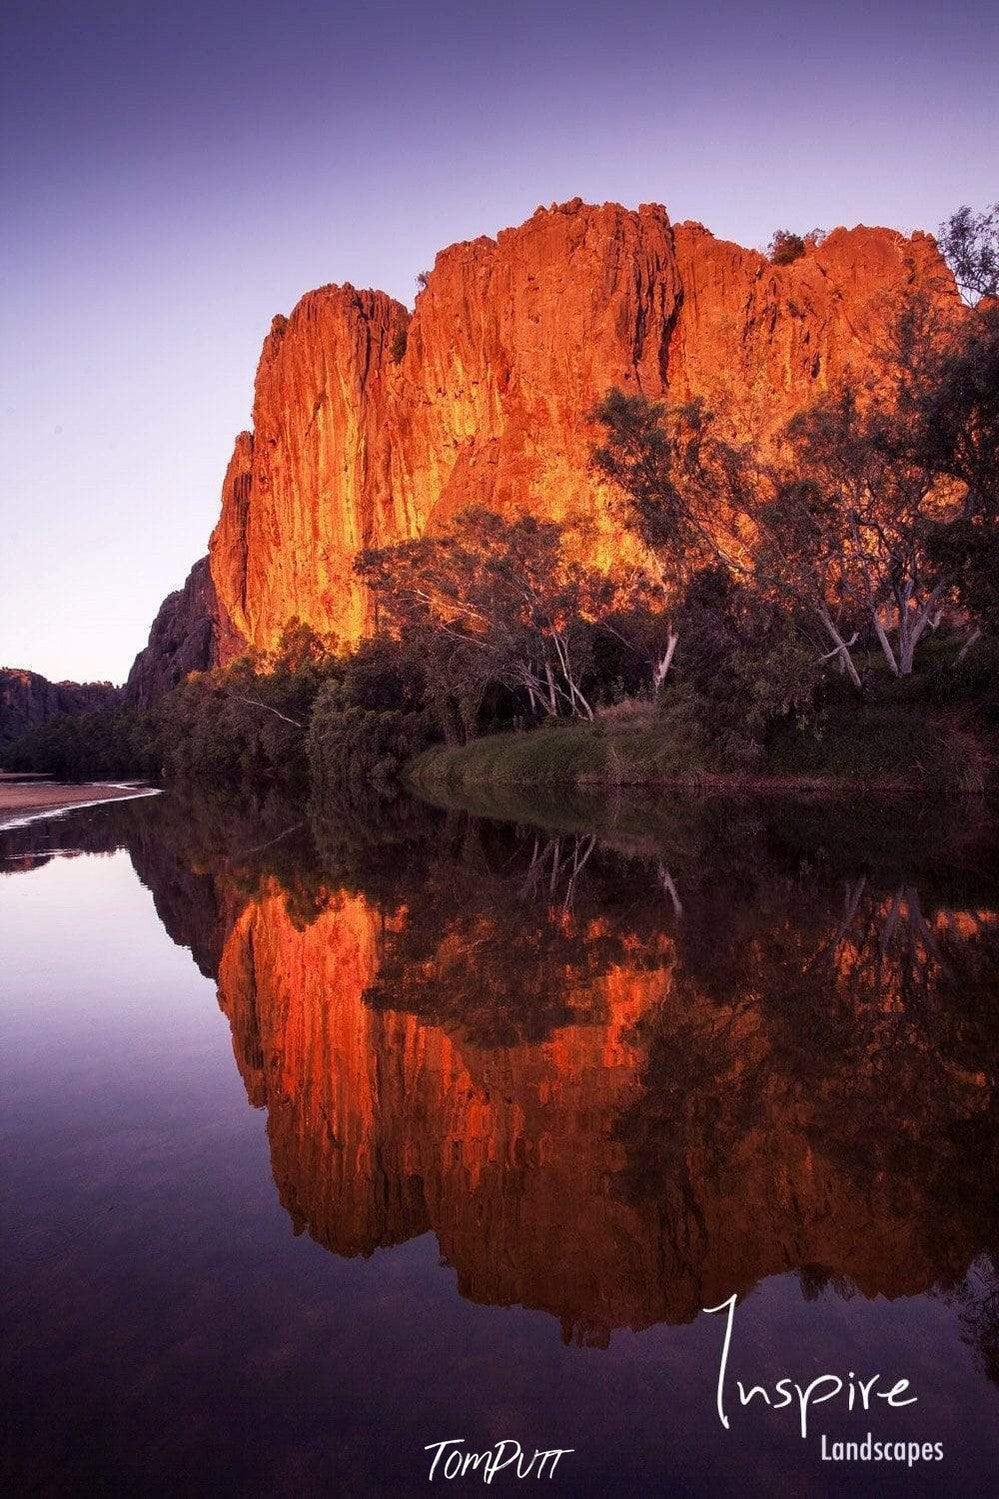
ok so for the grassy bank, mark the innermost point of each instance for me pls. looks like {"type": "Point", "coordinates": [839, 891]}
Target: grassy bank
{"type": "Point", "coordinates": [881, 746]}
{"type": "Point", "coordinates": [564, 754]}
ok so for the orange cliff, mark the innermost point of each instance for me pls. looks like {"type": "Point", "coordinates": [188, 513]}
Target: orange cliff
{"type": "Point", "coordinates": [358, 442]}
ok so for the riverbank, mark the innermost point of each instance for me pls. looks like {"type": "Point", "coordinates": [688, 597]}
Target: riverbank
{"type": "Point", "coordinates": [25, 798]}
{"type": "Point", "coordinates": [874, 750]}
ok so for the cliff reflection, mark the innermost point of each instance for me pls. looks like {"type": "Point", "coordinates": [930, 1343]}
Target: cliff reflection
{"type": "Point", "coordinates": [619, 1072]}
{"type": "Point", "coordinates": [619, 1105]}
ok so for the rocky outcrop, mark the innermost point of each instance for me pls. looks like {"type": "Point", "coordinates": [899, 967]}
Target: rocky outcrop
{"type": "Point", "coordinates": [191, 632]}
{"type": "Point", "coordinates": [28, 700]}
{"type": "Point", "coordinates": [370, 425]}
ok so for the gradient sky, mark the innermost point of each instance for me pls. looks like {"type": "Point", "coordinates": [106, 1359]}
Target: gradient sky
{"type": "Point", "coordinates": [175, 173]}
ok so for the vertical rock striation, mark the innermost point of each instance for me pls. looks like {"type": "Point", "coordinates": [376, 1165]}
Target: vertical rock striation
{"type": "Point", "coordinates": [370, 425]}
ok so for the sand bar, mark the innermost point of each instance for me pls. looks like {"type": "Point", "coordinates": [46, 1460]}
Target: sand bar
{"type": "Point", "coordinates": [25, 799]}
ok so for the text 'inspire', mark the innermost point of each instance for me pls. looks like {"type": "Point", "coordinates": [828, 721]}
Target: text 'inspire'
{"type": "Point", "coordinates": [824, 1387]}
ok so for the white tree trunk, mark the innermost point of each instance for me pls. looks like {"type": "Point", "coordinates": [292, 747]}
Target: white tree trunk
{"type": "Point", "coordinates": [914, 628]}
{"type": "Point", "coordinates": [256, 703]}
{"type": "Point", "coordinates": [660, 668]}
{"type": "Point", "coordinates": [842, 649]}
{"type": "Point", "coordinates": [885, 643]}
{"type": "Point", "coordinates": [975, 635]}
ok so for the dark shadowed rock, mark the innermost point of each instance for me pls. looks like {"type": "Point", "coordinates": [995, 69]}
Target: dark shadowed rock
{"type": "Point", "coordinates": [28, 699]}
{"type": "Point", "coordinates": [189, 633]}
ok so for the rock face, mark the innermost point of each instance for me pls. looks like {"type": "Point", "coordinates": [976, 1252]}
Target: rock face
{"type": "Point", "coordinates": [27, 700]}
{"type": "Point", "coordinates": [191, 632]}
{"type": "Point", "coordinates": [370, 425]}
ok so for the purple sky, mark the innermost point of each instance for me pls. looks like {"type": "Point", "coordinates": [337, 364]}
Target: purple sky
{"type": "Point", "coordinates": [175, 173]}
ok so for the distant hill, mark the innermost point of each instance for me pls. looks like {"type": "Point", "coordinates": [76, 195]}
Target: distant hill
{"type": "Point", "coordinates": [28, 699]}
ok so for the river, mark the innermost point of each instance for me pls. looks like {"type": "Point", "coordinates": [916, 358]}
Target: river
{"type": "Point", "coordinates": [331, 1137]}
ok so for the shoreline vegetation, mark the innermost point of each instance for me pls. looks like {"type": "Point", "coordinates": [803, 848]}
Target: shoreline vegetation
{"type": "Point", "coordinates": [585, 757]}
{"type": "Point", "coordinates": [926, 737]}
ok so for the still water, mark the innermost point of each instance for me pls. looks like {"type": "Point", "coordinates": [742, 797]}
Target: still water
{"type": "Point", "coordinates": [330, 1138]}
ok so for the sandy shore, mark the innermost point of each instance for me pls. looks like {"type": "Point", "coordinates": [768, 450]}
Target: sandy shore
{"type": "Point", "coordinates": [25, 799]}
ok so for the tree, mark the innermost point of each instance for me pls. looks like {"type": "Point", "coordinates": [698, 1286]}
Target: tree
{"type": "Point", "coordinates": [893, 488]}
{"type": "Point", "coordinates": [785, 247]}
{"type": "Point", "coordinates": [967, 550]}
{"type": "Point", "coordinates": [697, 500]}
{"type": "Point", "coordinates": [838, 525]}
{"type": "Point", "coordinates": [247, 721]}
{"type": "Point", "coordinates": [874, 502]}
{"type": "Point", "coordinates": [969, 242]}
{"type": "Point", "coordinates": [492, 601]}
{"type": "Point", "coordinates": [366, 723]}
{"type": "Point", "coordinates": [743, 669]}
{"type": "Point", "coordinates": [946, 421]}
{"type": "Point", "coordinates": [420, 588]}
{"type": "Point", "coordinates": [800, 556]}
{"type": "Point", "coordinates": [946, 393]}
{"type": "Point", "coordinates": [113, 740]}
{"type": "Point", "coordinates": [683, 491]}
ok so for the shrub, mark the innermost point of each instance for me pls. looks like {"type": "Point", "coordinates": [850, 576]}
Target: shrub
{"type": "Point", "coordinates": [741, 672]}
{"type": "Point", "coordinates": [110, 741]}
{"type": "Point", "coordinates": [628, 712]}
{"type": "Point", "coordinates": [247, 722]}
{"type": "Point", "coordinates": [785, 247]}
{"type": "Point", "coordinates": [367, 724]}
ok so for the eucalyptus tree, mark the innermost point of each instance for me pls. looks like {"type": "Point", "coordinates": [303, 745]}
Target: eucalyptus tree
{"type": "Point", "coordinates": [493, 600]}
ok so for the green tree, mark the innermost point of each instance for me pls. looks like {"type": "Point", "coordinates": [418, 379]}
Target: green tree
{"type": "Point", "coordinates": [365, 724]}
{"type": "Point", "coordinates": [682, 485]}
{"type": "Point", "coordinates": [970, 244]}
{"type": "Point", "coordinates": [785, 247]}
{"type": "Point", "coordinates": [493, 601]}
